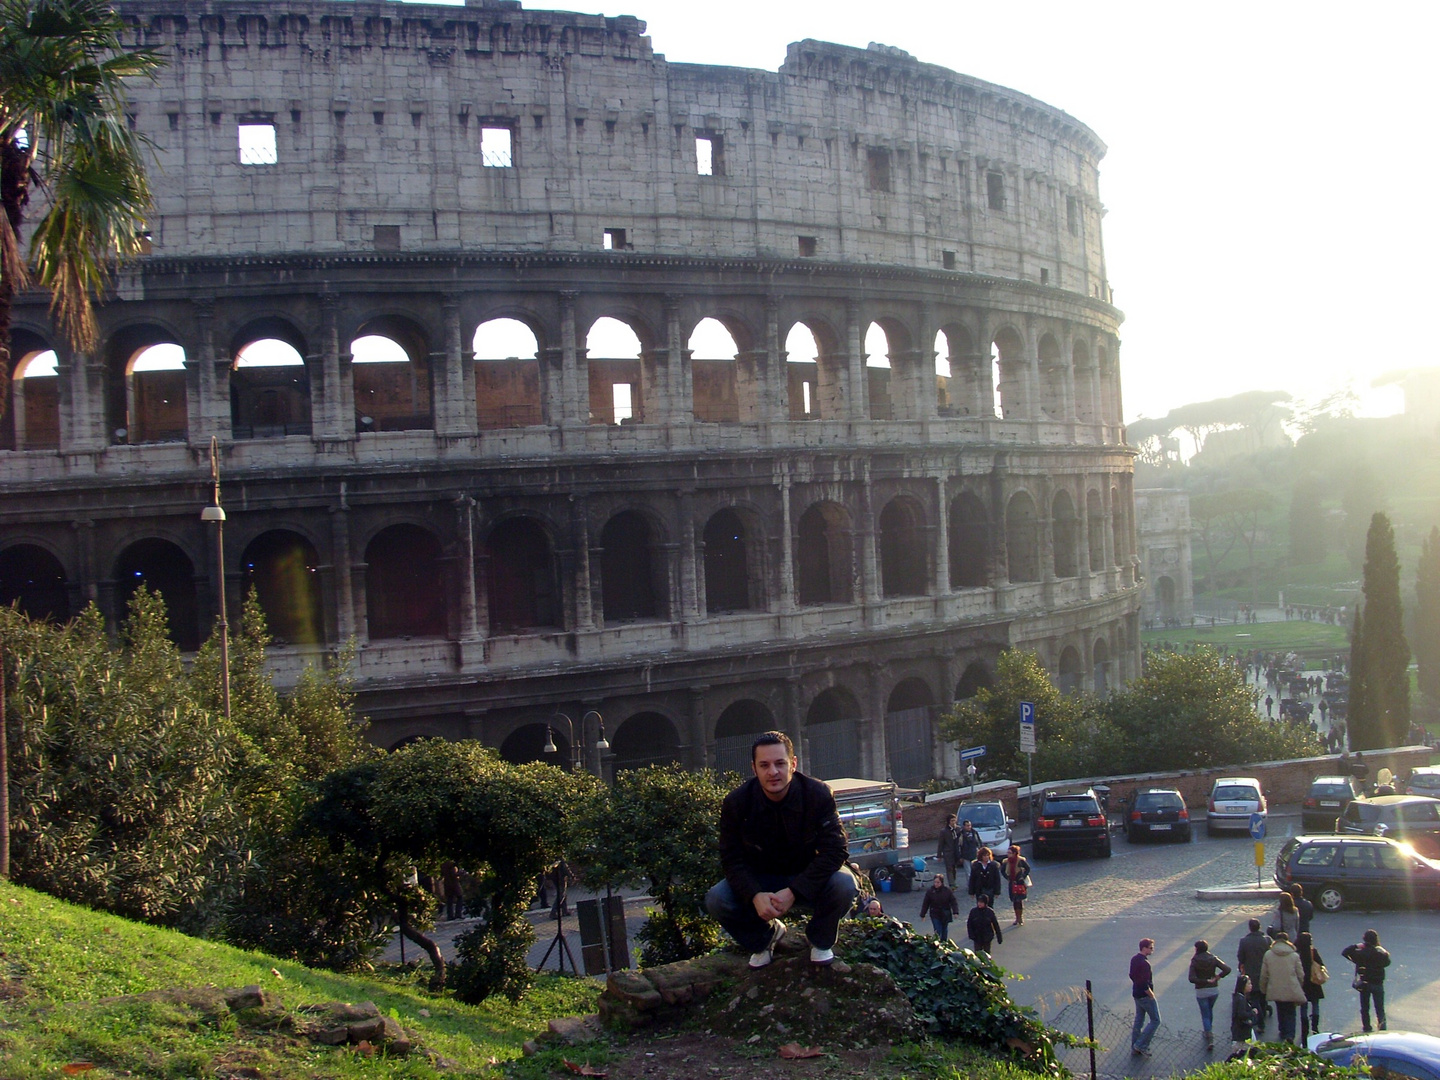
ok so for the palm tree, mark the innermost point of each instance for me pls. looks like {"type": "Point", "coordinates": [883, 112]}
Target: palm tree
{"type": "Point", "coordinates": [64, 133]}
{"type": "Point", "coordinates": [63, 130]}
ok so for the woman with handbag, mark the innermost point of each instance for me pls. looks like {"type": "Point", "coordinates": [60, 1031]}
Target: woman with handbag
{"type": "Point", "coordinates": [1206, 971]}
{"type": "Point", "coordinates": [1016, 869]}
{"type": "Point", "coordinates": [1370, 960]}
{"type": "Point", "coordinates": [1316, 976]}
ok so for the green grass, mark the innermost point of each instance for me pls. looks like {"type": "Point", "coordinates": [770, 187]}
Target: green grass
{"type": "Point", "coordinates": [1271, 637]}
{"type": "Point", "coordinates": [59, 963]}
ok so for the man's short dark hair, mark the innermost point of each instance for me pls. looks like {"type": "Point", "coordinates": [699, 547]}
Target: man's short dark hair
{"type": "Point", "coordinates": [771, 738]}
{"type": "Point", "coordinates": [1254, 926]}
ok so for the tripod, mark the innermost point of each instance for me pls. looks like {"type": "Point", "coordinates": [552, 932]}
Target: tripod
{"type": "Point", "coordinates": [564, 951]}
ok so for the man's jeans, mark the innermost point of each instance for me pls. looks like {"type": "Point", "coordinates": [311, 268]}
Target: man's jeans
{"type": "Point", "coordinates": [1372, 992]}
{"type": "Point", "coordinates": [753, 933]}
{"type": "Point", "coordinates": [1146, 1008]}
{"type": "Point", "coordinates": [1285, 1019]}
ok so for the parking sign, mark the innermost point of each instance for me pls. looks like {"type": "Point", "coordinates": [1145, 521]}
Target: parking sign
{"type": "Point", "coordinates": [1027, 727]}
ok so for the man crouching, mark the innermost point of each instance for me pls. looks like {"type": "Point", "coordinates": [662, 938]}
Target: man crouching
{"type": "Point", "coordinates": [781, 841]}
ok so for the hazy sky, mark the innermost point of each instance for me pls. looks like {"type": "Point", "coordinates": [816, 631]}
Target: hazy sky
{"type": "Point", "coordinates": [1270, 182]}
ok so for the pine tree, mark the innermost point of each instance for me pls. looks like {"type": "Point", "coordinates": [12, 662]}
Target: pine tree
{"type": "Point", "coordinates": [1427, 615]}
{"type": "Point", "coordinates": [1379, 714]}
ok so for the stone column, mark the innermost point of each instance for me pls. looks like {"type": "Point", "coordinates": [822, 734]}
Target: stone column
{"type": "Point", "coordinates": [1111, 555]}
{"type": "Point", "coordinates": [874, 755]}
{"type": "Point", "coordinates": [980, 378]}
{"type": "Point", "coordinates": [82, 395]}
{"type": "Point", "coordinates": [679, 388]}
{"type": "Point", "coordinates": [942, 536]}
{"type": "Point", "coordinates": [690, 608]}
{"type": "Point", "coordinates": [345, 624]}
{"type": "Point", "coordinates": [207, 381]}
{"type": "Point", "coordinates": [774, 400]}
{"type": "Point", "coordinates": [327, 399]}
{"type": "Point", "coordinates": [857, 406]}
{"type": "Point", "coordinates": [584, 615]}
{"type": "Point", "coordinates": [869, 591]}
{"type": "Point", "coordinates": [1000, 574]}
{"type": "Point", "coordinates": [697, 750]}
{"type": "Point", "coordinates": [1083, 541]}
{"type": "Point", "coordinates": [83, 590]}
{"type": "Point", "coordinates": [455, 415]}
{"type": "Point", "coordinates": [787, 546]}
{"type": "Point", "coordinates": [470, 627]}
{"type": "Point", "coordinates": [574, 396]}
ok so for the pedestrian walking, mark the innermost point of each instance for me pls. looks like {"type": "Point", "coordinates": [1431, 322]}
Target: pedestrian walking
{"type": "Point", "coordinates": [454, 898]}
{"type": "Point", "coordinates": [948, 849]}
{"type": "Point", "coordinates": [1303, 908]}
{"type": "Point", "coordinates": [1370, 961]}
{"type": "Point", "coordinates": [1249, 958]}
{"type": "Point", "coordinates": [1142, 989]}
{"type": "Point", "coordinates": [981, 925]}
{"type": "Point", "coordinates": [1286, 918]}
{"type": "Point", "coordinates": [1206, 971]}
{"type": "Point", "coordinates": [1316, 975]}
{"type": "Point", "coordinates": [1282, 981]}
{"type": "Point", "coordinates": [969, 843]}
{"type": "Point", "coordinates": [985, 877]}
{"type": "Point", "coordinates": [940, 904]}
{"type": "Point", "coordinates": [1016, 870]}
{"type": "Point", "coordinates": [1242, 1014]}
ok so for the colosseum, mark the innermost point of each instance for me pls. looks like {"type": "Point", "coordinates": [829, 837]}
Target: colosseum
{"type": "Point", "coordinates": [578, 387]}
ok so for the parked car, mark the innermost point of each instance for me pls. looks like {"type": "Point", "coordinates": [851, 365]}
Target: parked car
{"type": "Point", "coordinates": [1360, 871]}
{"type": "Point", "coordinates": [1070, 821]}
{"type": "Point", "coordinates": [1383, 1053]}
{"type": "Point", "coordinates": [990, 821]}
{"type": "Point", "coordinates": [1158, 812]}
{"type": "Point", "coordinates": [1424, 781]}
{"type": "Point", "coordinates": [1413, 819]}
{"type": "Point", "coordinates": [1233, 799]}
{"type": "Point", "coordinates": [1326, 800]}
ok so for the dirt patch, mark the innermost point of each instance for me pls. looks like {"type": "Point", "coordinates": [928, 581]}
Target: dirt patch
{"type": "Point", "coordinates": [694, 1055]}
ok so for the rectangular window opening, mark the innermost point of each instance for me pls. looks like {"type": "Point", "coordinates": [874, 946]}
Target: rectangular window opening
{"type": "Point", "coordinates": [387, 238]}
{"type": "Point", "coordinates": [174, 119]}
{"type": "Point", "coordinates": [495, 147]}
{"type": "Point", "coordinates": [614, 240]}
{"type": "Point", "coordinates": [379, 118]}
{"type": "Point", "coordinates": [257, 143]}
{"type": "Point", "coordinates": [622, 394]}
{"type": "Point", "coordinates": [1072, 214]}
{"type": "Point", "coordinates": [1044, 276]}
{"type": "Point", "coordinates": [995, 190]}
{"type": "Point", "coordinates": [948, 259]}
{"type": "Point", "coordinates": [709, 154]}
{"type": "Point", "coordinates": [808, 246]}
{"type": "Point", "coordinates": [878, 169]}
{"type": "Point", "coordinates": [416, 119]}
{"type": "Point", "coordinates": [805, 397]}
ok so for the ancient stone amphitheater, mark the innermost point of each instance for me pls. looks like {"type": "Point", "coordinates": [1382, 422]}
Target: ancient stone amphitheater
{"type": "Point", "coordinates": [568, 380]}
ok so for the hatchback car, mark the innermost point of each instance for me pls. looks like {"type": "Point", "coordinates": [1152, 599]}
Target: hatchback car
{"type": "Point", "coordinates": [1070, 821]}
{"type": "Point", "coordinates": [1424, 781]}
{"type": "Point", "coordinates": [989, 820]}
{"type": "Point", "coordinates": [1325, 801]}
{"type": "Point", "coordinates": [1413, 819]}
{"type": "Point", "coordinates": [1233, 799]}
{"type": "Point", "coordinates": [1358, 871]}
{"type": "Point", "coordinates": [1383, 1053]}
{"type": "Point", "coordinates": [1158, 813]}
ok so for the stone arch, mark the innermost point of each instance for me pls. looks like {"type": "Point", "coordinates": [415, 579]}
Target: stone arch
{"type": "Point", "coordinates": [33, 580]}
{"type": "Point", "coordinates": [958, 374]}
{"type": "Point", "coordinates": [732, 562]}
{"type": "Point", "coordinates": [904, 554]}
{"type": "Point", "coordinates": [1100, 659]}
{"type": "Point", "coordinates": [527, 743]}
{"type": "Point", "coordinates": [522, 583]}
{"type": "Point", "coordinates": [909, 737]}
{"type": "Point", "coordinates": [405, 583]}
{"type": "Point", "coordinates": [1052, 379]}
{"type": "Point", "coordinates": [632, 569]}
{"type": "Point", "coordinates": [145, 385]}
{"type": "Point", "coordinates": [507, 374]}
{"type": "Point", "coordinates": [1086, 407]}
{"type": "Point", "coordinates": [390, 372]}
{"type": "Point", "coordinates": [735, 732]}
{"type": "Point", "coordinates": [1095, 529]}
{"type": "Point", "coordinates": [879, 372]}
{"type": "Point", "coordinates": [824, 570]}
{"type": "Point", "coordinates": [269, 381]}
{"type": "Point", "coordinates": [162, 567]}
{"type": "Point", "coordinates": [814, 383]}
{"type": "Point", "coordinates": [615, 353]}
{"type": "Point", "coordinates": [1065, 533]}
{"type": "Point", "coordinates": [970, 543]}
{"type": "Point", "coordinates": [1071, 671]}
{"type": "Point", "coordinates": [1010, 374]}
{"type": "Point", "coordinates": [33, 420]}
{"type": "Point", "coordinates": [1022, 538]}
{"type": "Point", "coordinates": [832, 735]}
{"type": "Point", "coordinates": [977, 676]}
{"type": "Point", "coordinates": [283, 568]}
{"type": "Point", "coordinates": [647, 738]}
{"type": "Point", "coordinates": [713, 349]}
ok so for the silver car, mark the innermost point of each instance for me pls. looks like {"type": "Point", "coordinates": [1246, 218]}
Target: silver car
{"type": "Point", "coordinates": [1233, 799]}
{"type": "Point", "coordinates": [989, 820]}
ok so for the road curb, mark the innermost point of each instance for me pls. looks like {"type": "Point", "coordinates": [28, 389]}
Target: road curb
{"type": "Point", "coordinates": [1256, 893]}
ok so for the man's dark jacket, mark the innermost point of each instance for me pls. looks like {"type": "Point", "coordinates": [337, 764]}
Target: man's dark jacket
{"type": "Point", "coordinates": [800, 835]}
{"type": "Point", "coordinates": [982, 927]}
{"type": "Point", "coordinates": [1251, 954]}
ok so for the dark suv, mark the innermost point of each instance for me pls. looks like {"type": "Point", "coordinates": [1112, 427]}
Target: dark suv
{"type": "Point", "coordinates": [1070, 821]}
{"type": "Point", "coordinates": [1411, 819]}
{"type": "Point", "coordinates": [1325, 801]}
{"type": "Point", "coordinates": [1361, 871]}
{"type": "Point", "coordinates": [1158, 812]}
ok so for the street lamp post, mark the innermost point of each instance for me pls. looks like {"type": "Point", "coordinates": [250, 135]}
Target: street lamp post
{"type": "Point", "coordinates": [216, 514]}
{"type": "Point", "coordinates": [551, 748]}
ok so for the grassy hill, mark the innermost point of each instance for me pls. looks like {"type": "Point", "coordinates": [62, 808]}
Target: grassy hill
{"type": "Point", "coordinates": [68, 976]}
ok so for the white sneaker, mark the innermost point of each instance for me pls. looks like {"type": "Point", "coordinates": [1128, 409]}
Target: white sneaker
{"type": "Point", "coordinates": [823, 957]}
{"type": "Point", "coordinates": [765, 955]}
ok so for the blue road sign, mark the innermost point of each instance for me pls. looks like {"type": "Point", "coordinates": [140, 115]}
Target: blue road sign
{"type": "Point", "coordinates": [1257, 826]}
{"type": "Point", "coordinates": [1027, 712]}
{"type": "Point", "coordinates": [972, 752]}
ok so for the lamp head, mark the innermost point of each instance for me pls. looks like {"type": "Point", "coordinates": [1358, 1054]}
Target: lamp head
{"type": "Point", "coordinates": [549, 747]}
{"type": "Point", "coordinates": [212, 513]}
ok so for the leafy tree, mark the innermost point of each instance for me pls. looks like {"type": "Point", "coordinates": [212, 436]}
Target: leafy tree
{"type": "Point", "coordinates": [63, 67]}
{"type": "Point", "coordinates": [1427, 615]}
{"type": "Point", "coordinates": [1223, 519]}
{"type": "Point", "coordinates": [1379, 713]}
{"type": "Point", "coordinates": [1307, 520]}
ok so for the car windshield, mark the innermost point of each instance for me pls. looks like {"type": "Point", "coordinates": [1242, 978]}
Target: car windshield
{"type": "Point", "coordinates": [984, 817]}
{"type": "Point", "coordinates": [1236, 793]}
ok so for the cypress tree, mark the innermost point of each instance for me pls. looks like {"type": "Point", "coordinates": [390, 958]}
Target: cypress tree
{"type": "Point", "coordinates": [1379, 714]}
{"type": "Point", "coordinates": [1427, 615]}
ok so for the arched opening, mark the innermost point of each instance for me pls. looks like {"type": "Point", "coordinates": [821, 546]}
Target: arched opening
{"type": "Point", "coordinates": [727, 573]}
{"type": "Point", "coordinates": [1052, 379]}
{"type": "Point", "coordinates": [975, 678]}
{"type": "Point", "coordinates": [1009, 375]}
{"type": "Point", "coordinates": [735, 732]}
{"type": "Point", "coordinates": [162, 568]}
{"type": "Point", "coordinates": [712, 373]}
{"type": "Point", "coordinates": [284, 570]}
{"type": "Point", "coordinates": [405, 584]}
{"type": "Point", "coordinates": [961, 371]}
{"type": "Point", "coordinates": [155, 408]}
{"type": "Point", "coordinates": [909, 739]}
{"type": "Point", "coordinates": [269, 390]}
{"type": "Point", "coordinates": [629, 569]}
{"type": "Point", "coordinates": [645, 739]}
{"type": "Point", "coordinates": [904, 562]}
{"type": "Point", "coordinates": [802, 373]}
{"type": "Point", "coordinates": [33, 420]}
{"type": "Point", "coordinates": [390, 366]}
{"type": "Point", "coordinates": [1072, 670]}
{"type": "Point", "coordinates": [1085, 382]}
{"type": "Point", "coordinates": [1065, 533]}
{"type": "Point", "coordinates": [878, 373]}
{"type": "Point", "coordinates": [507, 375]}
{"type": "Point", "coordinates": [1095, 530]}
{"type": "Point", "coordinates": [832, 735]}
{"type": "Point", "coordinates": [32, 580]}
{"type": "Point", "coordinates": [1165, 599]}
{"type": "Point", "coordinates": [1022, 547]}
{"type": "Point", "coordinates": [1101, 656]}
{"type": "Point", "coordinates": [945, 359]}
{"type": "Point", "coordinates": [521, 581]}
{"type": "Point", "coordinates": [527, 743]}
{"type": "Point", "coordinates": [823, 571]}
{"type": "Point", "coordinates": [613, 353]}
{"type": "Point", "coordinates": [969, 539]}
